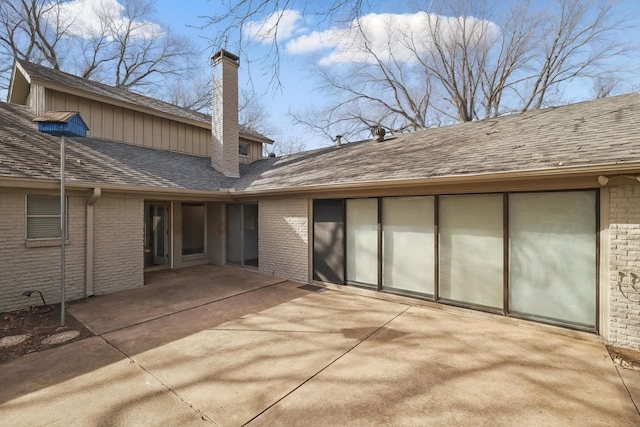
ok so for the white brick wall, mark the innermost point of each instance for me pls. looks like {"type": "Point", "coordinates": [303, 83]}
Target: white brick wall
{"type": "Point", "coordinates": [38, 268]}
{"type": "Point", "coordinates": [224, 117]}
{"type": "Point", "coordinates": [624, 265]}
{"type": "Point", "coordinates": [118, 244]}
{"type": "Point", "coordinates": [284, 238]}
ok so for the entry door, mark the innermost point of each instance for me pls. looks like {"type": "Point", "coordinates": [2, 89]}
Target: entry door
{"type": "Point", "coordinates": [156, 231]}
{"type": "Point", "coordinates": [328, 240]}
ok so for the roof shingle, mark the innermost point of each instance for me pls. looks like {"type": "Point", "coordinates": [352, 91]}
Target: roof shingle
{"type": "Point", "coordinates": [601, 132]}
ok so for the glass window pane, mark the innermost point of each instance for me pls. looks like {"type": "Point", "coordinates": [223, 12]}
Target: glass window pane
{"type": "Point", "coordinates": [250, 215]}
{"type": "Point", "coordinates": [43, 205]}
{"type": "Point", "coordinates": [234, 234]}
{"type": "Point", "coordinates": [193, 230]}
{"type": "Point", "coordinates": [471, 249]}
{"type": "Point", "coordinates": [552, 258]}
{"type": "Point", "coordinates": [407, 244]}
{"type": "Point", "coordinates": [362, 241]}
{"type": "Point", "coordinates": [43, 228]}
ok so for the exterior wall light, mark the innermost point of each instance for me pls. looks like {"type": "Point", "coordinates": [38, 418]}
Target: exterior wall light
{"type": "Point", "coordinates": [28, 294]}
{"type": "Point", "coordinates": [603, 180]}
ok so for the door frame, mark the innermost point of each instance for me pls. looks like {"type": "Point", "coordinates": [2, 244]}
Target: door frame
{"type": "Point", "coordinates": [149, 246]}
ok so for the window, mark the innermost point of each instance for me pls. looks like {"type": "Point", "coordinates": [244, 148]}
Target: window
{"type": "Point", "coordinates": [43, 217]}
{"type": "Point", "coordinates": [243, 149]}
{"type": "Point", "coordinates": [193, 228]}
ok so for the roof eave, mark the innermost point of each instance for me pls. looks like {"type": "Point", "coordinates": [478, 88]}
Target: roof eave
{"type": "Point", "coordinates": [556, 172]}
{"type": "Point", "coordinates": [13, 96]}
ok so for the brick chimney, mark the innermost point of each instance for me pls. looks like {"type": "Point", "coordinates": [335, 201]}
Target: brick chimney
{"type": "Point", "coordinates": [224, 118]}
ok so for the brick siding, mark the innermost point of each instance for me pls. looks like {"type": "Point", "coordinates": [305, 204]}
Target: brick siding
{"type": "Point", "coordinates": [624, 217]}
{"type": "Point", "coordinates": [284, 238]}
{"type": "Point", "coordinates": [118, 244]}
{"type": "Point", "coordinates": [38, 268]}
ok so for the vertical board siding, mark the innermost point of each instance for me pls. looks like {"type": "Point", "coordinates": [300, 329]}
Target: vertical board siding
{"type": "Point", "coordinates": [173, 136]}
{"type": "Point", "coordinates": [107, 121]}
{"type": "Point", "coordinates": [96, 119]}
{"type": "Point", "coordinates": [148, 130]}
{"type": "Point", "coordinates": [138, 126]}
{"type": "Point", "coordinates": [165, 135]}
{"type": "Point", "coordinates": [116, 123]}
{"type": "Point", "coordinates": [156, 128]}
{"type": "Point", "coordinates": [182, 134]}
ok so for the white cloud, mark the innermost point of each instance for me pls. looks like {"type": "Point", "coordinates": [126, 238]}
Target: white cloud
{"type": "Point", "coordinates": [281, 24]}
{"type": "Point", "coordinates": [403, 35]}
{"type": "Point", "coordinates": [87, 17]}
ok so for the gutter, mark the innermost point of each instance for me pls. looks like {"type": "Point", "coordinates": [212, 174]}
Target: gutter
{"type": "Point", "coordinates": [97, 193]}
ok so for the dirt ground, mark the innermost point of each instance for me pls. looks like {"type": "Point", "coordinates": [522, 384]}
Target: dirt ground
{"type": "Point", "coordinates": [36, 323]}
{"type": "Point", "coordinates": [625, 357]}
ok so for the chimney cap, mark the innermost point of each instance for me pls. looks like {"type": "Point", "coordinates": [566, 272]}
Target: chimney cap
{"type": "Point", "coordinates": [222, 53]}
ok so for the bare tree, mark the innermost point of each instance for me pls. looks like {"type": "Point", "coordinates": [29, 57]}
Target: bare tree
{"type": "Point", "coordinates": [242, 15]}
{"type": "Point", "coordinates": [471, 62]}
{"type": "Point", "coordinates": [193, 92]}
{"type": "Point", "coordinates": [574, 43]}
{"type": "Point", "coordinates": [604, 85]}
{"type": "Point", "coordinates": [254, 115]}
{"type": "Point", "coordinates": [290, 145]}
{"type": "Point", "coordinates": [126, 48]}
{"type": "Point", "coordinates": [33, 30]}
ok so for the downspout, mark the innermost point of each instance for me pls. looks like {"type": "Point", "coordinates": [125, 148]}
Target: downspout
{"type": "Point", "coordinates": [97, 192]}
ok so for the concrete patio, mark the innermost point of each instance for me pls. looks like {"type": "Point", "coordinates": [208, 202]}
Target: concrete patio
{"type": "Point", "coordinates": [228, 346]}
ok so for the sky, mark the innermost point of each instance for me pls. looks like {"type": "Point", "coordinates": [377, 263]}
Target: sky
{"type": "Point", "coordinates": [303, 38]}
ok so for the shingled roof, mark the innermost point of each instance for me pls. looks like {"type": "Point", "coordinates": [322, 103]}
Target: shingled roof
{"type": "Point", "coordinates": [27, 153]}
{"type": "Point", "coordinates": [602, 134]}
{"type": "Point", "coordinates": [55, 77]}
{"type": "Point", "coordinates": [599, 132]}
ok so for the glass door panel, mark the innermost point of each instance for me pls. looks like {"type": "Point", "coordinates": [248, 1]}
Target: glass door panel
{"type": "Point", "coordinates": [234, 234]}
{"type": "Point", "coordinates": [552, 256]}
{"type": "Point", "coordinates": [250, 234]}
{"type": "Point", "coordinates": [156, 241]}
{"type": "Point", "coordinates": [362, 241]}
{"type": "Point", "coordinates": [471, 248]}
{"type": "Point", "coordinates": [408, 244]}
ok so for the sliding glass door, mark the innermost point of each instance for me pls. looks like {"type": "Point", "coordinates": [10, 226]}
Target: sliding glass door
{"type": "Point", "coordinates": [529, 255]}
{"type": "Point", "coordinates": [552, 256]}
{"type": "Point", "coordinates": [408, 259]}
{"type": "Point", "coordinates": [471, 249]}
{"type": "Point", "coordinates": [362, 241]}
{"type": "Point", "coordinates": [242, 234]}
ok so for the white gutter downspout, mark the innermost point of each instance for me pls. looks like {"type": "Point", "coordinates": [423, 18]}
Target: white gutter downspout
{"type": "Point", "coordinates": [97, 192]}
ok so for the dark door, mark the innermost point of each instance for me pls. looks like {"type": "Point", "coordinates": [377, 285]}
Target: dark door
{"type": "Point", "coordinates": [328, 240]}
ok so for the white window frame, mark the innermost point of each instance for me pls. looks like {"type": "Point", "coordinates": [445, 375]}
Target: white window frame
{"type": "Point", "coordinates": [27, 216]}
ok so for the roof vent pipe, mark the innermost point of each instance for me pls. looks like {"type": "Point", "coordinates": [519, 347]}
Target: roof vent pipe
{"type": "Point", "coordinates": [338, 140]}
{"type": "Point", "coordinates": [378, 133]}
